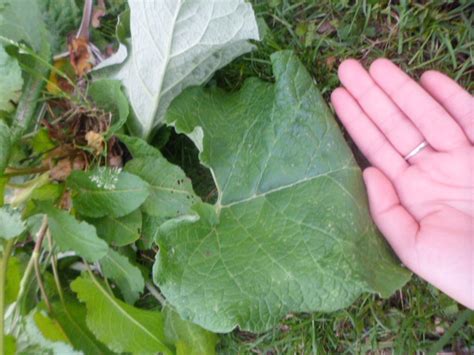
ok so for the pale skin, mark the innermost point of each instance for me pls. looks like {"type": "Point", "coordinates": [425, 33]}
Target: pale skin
{"type": "Point", "coordinates": [424, 206]}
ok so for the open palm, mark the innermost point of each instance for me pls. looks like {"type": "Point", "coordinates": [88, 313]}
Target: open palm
{"type": "Point", "coordinates": [422, 203]}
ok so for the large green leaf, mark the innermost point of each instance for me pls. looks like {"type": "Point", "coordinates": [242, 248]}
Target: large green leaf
{"type": "Point", "coordinates": [106, 191]}
{"type": "Point", "coordinates": [10, 81]}
{"type": "Point", "coordinates": [121, 327]}
{"type": "Point", "coordinates": [119, 231]}
{"type": "Point", "coordinates": [70, 234]}
{"type": "Point", "coordinates": [176, 44]}
{"type": "Point", "coordinates": [128, 277]}
{"type": "Point", "coordinates": [291, 230]}
{"type": "Point", "coordinates": [188, 338]}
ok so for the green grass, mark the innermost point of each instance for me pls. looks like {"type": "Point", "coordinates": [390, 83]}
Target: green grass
{"type": "Point", "coordinates": [418, 36]}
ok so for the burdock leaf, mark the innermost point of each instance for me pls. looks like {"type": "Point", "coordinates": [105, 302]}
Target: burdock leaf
{"type": "Point", "coordinates": [291, 230]}
{"type": "Point", "coordinates": [177, 44]}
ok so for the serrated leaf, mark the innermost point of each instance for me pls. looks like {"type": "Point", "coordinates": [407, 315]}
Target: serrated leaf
{"type": "Point", "coordinates": [177, 44]}
{"type": "Point", "coordinates": [70, 234]}
{"type": "Point", "coordinates": [11, 224]}
{"type": "Point", "coordinates": [119, 231]}
{"type": "Point", "coordinates": [189, 338]}
{"type": "Point", "coordinates": [128, 278]}
{"type": "Point", "coordinates": [61, 18]}
{"type": "Point", "coordinates": [123, 328]}
{"type": "Point", "coordinates": [171, 192]}
{"type": "Point", "coordinates": [11, 81]}
{"type": "Point", "coordinates": [291, 230]}
{"type": "Point", "coordinates": [72, 317]}
{"type": "Point", "coordinates": [105, 192]}
{"type": "Point", "coordinates": [108, 96]}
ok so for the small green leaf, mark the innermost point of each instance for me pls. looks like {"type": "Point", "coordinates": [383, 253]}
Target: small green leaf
{"type": "Point", "coordinates": [119, 231]}
{"type": "Point", "coordinates": [50, 328]}
{"type": "Point", "coordinates": [108, 96]}
{"type": "Point", "coordinates": [70, 234]}
{"type": "Point", "coordinates": [128, 278]}
{"type": "Point", "coordinates": [138, 147]}
{"type": "Point", "coordinates": [10, 81]}
{"type": "Point", "coordinates": [171, 192]}
{"type": "Point", "coordinates": [188, 338]}
{"type": "Point", "coordinates": [106, 192]}
{"type": "Point", "coordinates": [150, 226]}
{"type": "Point", "coordinates": [41, 142]}
{"type": "Point", "coordinates": [5, 146]}
{"type": "Point", "coordinates": [11, 224]}
{"type": "Point", "coordinates": [123, 328]}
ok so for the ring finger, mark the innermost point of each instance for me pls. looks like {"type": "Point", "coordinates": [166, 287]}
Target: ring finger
{"type": "Point", "coordinates": [383, 112]}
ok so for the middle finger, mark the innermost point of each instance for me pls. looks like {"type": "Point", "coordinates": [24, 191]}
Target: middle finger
{"type": "Point", "coordinates": [386, 115]}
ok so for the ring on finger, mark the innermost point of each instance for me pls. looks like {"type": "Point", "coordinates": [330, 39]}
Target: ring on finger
{"type": "Point", "coordinates": [416, 150]}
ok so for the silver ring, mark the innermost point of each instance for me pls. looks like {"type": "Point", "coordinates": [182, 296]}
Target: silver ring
{"type": "Point", "coordinates": [415, 151]}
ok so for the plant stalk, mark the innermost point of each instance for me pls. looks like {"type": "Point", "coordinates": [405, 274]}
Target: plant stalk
{"type": "Point", "coordinates": [3, 273]}
{"type": "Point", "coordinates": [36, 254]}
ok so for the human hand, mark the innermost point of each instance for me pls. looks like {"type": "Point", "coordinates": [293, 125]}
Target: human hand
{"type": "Point", "coordinates": [424, 205]}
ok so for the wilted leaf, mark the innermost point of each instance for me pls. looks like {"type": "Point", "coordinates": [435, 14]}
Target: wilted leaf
{"type": "Point", "coordinates": [291, 230]}
{"type": "Point", "coordinates": [128, 277]}
{"type": "Point", "coordinates": [106, 191]}
{"type": "Point", "coordinates": [123, 328]}
{"type": "Point", "coordinates": [11, 224]}
{"type": "Point", "coordinates": [119, 231]}
{"type": "Point", "coordinates": [70, 234]}
{"type": "Point", "coordinates": [176, 44]}
{"type": "Point", "coordinates": [189, 338]}
{"type": "Point", "coordinates": [11, 81]}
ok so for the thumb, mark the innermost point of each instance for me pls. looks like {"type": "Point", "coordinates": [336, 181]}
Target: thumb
{"type": "Point", "coordinates": [392, 219]}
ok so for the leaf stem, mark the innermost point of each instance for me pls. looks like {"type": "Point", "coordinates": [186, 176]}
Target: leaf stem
{"type": "Point", "coordinates": [8, 247]}
{"type": "Point", "coordinates": [54, 266]}
{"type": "Point", "coordinates": [36, 253]}
{"type": "Point", "coordinates": [9, 172]}
{"type": "Point", "coordinates": [155, 293]}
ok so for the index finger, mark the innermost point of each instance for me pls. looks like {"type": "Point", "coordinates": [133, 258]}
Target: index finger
{"type": "Point", "coordinates": [440, 130]}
